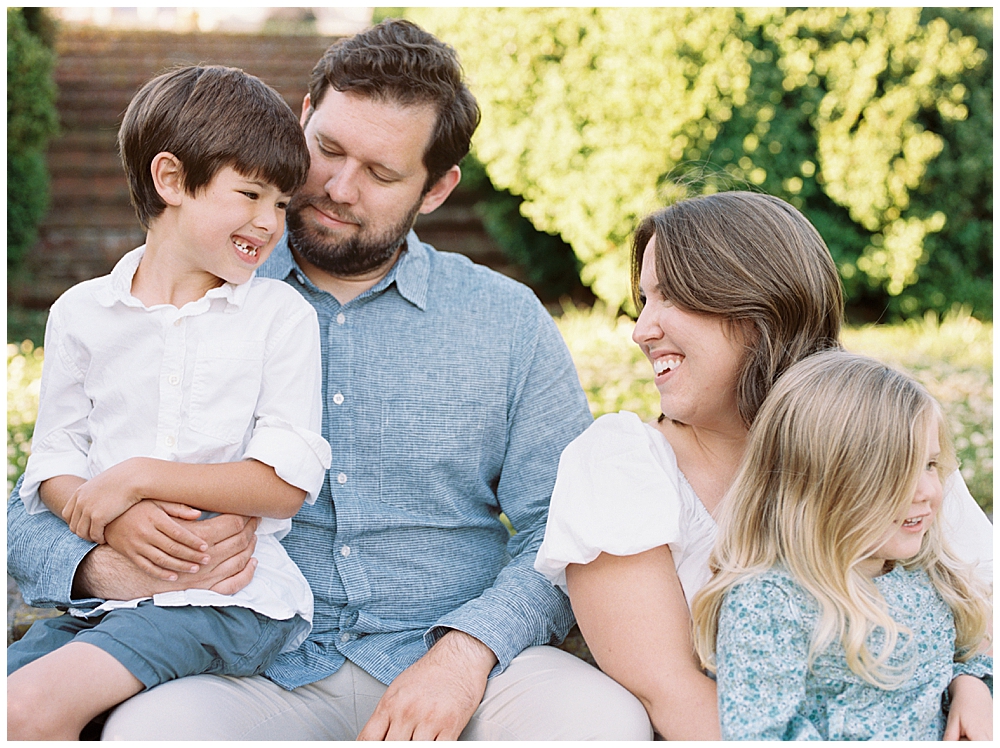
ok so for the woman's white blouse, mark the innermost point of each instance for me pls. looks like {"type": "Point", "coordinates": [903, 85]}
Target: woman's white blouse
{"type": "Point", "coordinates": [619, 491]}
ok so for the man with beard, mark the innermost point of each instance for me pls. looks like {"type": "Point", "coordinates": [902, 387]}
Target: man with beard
{"type": "Point", "coordinates": [448, 398]}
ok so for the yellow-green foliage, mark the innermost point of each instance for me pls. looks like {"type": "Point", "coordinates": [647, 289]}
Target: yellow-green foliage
{"type": "Point", "coordinates": [951, 357]}
{"type": "Point", "coordinates": [24, 372]}
{"type": "Point", "coordinates": [31, 121]}
{"type": "Point", "coordinates": [597, 116]}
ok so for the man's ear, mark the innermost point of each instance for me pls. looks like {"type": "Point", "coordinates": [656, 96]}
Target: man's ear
{"type": "Point", "coordinates": [440, 190]}
{"type": "Point", "coordinates": [306, 111]}
{"type": "Point", "coordinates": [168, 177]}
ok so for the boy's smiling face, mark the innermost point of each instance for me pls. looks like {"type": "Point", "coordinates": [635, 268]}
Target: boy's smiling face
{"type": "Point", "coordinates": [230, 227]}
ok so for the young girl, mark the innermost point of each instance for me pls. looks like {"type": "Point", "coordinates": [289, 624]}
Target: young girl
{"type": "Point", "coordinates": [836, 612]}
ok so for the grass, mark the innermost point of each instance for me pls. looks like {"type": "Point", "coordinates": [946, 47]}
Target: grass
{"type": "Point", "coordinates": [952, 357]}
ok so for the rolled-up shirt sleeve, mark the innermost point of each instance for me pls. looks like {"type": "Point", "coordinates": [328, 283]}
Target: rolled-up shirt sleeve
{"type": "Point", "coordinates": [289, 407]}
{"type": "Point", "coordinates": [43, 555]}
{"type": "Point", "coordinates": [61, 439]}
{"type": "Point", "coordinates": [547, 409]}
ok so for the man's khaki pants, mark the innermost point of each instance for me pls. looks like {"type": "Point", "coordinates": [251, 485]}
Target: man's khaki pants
{"type": "Point", "coordinates": [545, 694]}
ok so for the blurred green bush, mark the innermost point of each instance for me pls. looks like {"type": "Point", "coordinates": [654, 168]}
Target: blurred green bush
{"type": "Point", "coordinates": [547, 261]}
{"type": "Point", "coordinates": [876, 123]}
{"type": "Point", "coordinates": [31, 121]}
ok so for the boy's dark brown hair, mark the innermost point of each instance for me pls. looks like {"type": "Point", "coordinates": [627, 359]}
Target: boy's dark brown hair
{"type": "Point", "coordinates": [209, 117]}
{"type": "Point", "coordinates": [397, 61]}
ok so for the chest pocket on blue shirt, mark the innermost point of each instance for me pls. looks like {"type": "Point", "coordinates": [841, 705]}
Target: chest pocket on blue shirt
{"type": "Point", "coordinates": [224, 388]}
{"type": "Point", "coordinates": [431, 454]}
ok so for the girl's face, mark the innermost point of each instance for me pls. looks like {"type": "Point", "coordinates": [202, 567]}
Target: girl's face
{"type": "Point", "coordinates": [696, 360]}
{"type": "Point", "coordinates": [904, 538]}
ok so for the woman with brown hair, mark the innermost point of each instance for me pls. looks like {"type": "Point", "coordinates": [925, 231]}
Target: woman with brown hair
{"type": "Point", "coordinates": [733, 289]}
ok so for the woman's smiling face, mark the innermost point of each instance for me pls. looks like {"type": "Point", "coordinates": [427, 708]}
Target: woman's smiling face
{"type": "Point", "coordinates": [696, 358]}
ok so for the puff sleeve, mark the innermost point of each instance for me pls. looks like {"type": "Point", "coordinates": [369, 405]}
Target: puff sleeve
{"type": "Point", "coordinates": [612, 495]}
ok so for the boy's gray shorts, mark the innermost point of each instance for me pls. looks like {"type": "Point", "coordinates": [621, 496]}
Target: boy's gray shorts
{"type": "Point", "coordinates": [157, 644]}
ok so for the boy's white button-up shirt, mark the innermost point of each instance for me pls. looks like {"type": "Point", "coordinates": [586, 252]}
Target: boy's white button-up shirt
{"type": "Point", "coordinates": [234, 375]}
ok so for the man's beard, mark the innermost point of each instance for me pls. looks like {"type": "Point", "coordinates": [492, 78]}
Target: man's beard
{"type": "Point", "coordinates": [359, 254]}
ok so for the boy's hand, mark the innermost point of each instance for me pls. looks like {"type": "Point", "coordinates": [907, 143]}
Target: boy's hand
{"type": "Point", "coordinates": [103, 498]}
{"type": "Point", "coordinates": [971, 714]}
{"type": "Point", "coordinates": [231, 538]}
{"type": "Point", "coordinates": [150, 537]}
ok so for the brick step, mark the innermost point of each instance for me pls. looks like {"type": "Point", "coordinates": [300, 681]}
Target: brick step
{"type": "Point", "coordinates": [455, 215]}
{"type": "Point", "coordinates": [93, 186]}
{"type": "Point", "coordinates": [289, 75]}
{"type": "Point", "coordinates": [90, 223]}
{"type": "Point", "coordinates": [75, 160]}
{"type": "Point", "coordinates": [67, 214]}
{"type": "Point", "coordinates": [92, 140]}
{"type": "Point", "coordinates": [105, 42]}
{"type": "Point", "coordinates": [91, 90]}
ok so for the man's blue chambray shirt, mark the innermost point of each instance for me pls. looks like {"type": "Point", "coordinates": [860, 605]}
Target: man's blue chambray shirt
{"type": "Point", "coordinates": [448, 397]}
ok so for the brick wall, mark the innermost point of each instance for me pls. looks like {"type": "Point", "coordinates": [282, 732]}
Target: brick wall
{"type": "Point", "coordinates": [90, 223]}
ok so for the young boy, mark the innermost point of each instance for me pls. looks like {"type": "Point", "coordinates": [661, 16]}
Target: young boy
{"type": "Point", "coordinates": [179, 382]}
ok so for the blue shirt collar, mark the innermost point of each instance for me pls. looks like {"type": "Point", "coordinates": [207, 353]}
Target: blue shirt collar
{"type": "Point", "coordinates": [411, 273]}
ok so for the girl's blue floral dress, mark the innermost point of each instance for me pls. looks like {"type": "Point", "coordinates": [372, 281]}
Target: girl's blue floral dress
{"type": "Point", "coordinates": [768, 692]}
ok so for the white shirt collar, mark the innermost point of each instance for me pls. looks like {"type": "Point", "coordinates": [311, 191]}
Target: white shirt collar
{"type": "Point", "coordinates": [118, 289]}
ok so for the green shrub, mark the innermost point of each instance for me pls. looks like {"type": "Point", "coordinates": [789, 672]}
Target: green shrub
{"type": "Point", "coordinates": [547, 261]}
{"type": "Point", "coordinates": [876, 123]}
{"type": "Point", "coordinates": [24, 372]}
{"type": "Point", "coordinates": [31, 121]}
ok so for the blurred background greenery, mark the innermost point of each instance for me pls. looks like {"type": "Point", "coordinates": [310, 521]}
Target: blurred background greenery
{"type": "Point", "coordinates": [876, 123]}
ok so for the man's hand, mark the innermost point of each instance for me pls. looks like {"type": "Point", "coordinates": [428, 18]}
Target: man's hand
{"type": "Point", "coordinates": [971, 713]}
{"type": "Point", "coordinates": [104, 498]}
{"type": "Point", "coordinates": [107, 574]}
{"type": "Point", "coordinates": [436, 696]}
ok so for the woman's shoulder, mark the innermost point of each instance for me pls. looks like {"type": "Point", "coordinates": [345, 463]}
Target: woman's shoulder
{"type": "Point", "coordinates": [612, 426]}
{"type": "Point", "coordinates": [618, 456]}
{"type": "Point", "coordinates": [622, 439]}
{"type": "Point", "coordinates": [617, 491]}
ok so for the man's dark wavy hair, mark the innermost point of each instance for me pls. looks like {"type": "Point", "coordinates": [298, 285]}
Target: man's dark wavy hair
{"type": "Point", "coordinates": [397, 61]}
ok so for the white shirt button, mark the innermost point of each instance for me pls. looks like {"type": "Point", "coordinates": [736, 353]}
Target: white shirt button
{"type": "Point", "coordinates": [300, 278]}
{"type": "Point", "coordinates": [178, 322]}
{"type": "Point", "coordinates": [174, 379]}
{"type": "Point", "coordinates": [344, 638]}
{"type": "Point", "coordinates": [341, 319]}
{"type": "Point", "coordinates": [345, 551]}
{"type": "Point", "coordinates": [342, 478]}
{"type": "Point", "coordinates": [338, 399]}
{"type": "Point", "coordinates": [170, 441]}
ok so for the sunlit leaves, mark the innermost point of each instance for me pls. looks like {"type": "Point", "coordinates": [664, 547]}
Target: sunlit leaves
{"type": "Point", "coordinates": [594, 115]}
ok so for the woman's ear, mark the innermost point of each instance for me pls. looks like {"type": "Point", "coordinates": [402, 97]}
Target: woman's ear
{"type": "Point", "coordinates": [168, 177]}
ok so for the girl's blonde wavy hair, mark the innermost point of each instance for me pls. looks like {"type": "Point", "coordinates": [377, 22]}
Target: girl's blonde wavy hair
{"type": "Point", "coordinates": [833, 459]}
